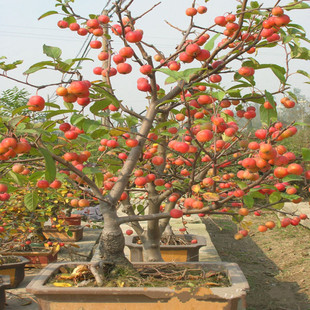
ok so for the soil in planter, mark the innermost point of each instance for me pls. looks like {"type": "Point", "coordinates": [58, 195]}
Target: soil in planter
{"type": "Point", "coordinates": [157, 276]}
{"type": "Point", "coordinates": [167, 240]}
{"type": "Point", "coordinates": [9, 260]}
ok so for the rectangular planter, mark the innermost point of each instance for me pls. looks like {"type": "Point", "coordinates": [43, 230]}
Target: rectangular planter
{"type": "Point", "coordinates": [134, 298]}
{"type": "Point", "coordinates": [169, 253]}
{"type": "Point", "coordinates": [16, 271]}
{"type": "Point", "coordinates": [4, 283]}
{"type": "Point", "coordinates": [37, 259]}
{"type": "Point", "coordinates": [54, 234]}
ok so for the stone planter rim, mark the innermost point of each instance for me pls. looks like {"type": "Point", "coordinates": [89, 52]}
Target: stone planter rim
{"type": "Point", "coordinates": [238, 288]}
{"type": "Point", "coordinates": [23, 261]}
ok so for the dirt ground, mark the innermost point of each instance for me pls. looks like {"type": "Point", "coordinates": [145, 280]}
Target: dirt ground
{"type": "Point", "coordinates": [276, 263]}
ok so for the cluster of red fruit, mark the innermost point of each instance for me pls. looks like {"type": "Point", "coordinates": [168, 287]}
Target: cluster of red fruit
{"type": "Point", "coordinates": [92, 26]}
{"type": "Point", "coordinates": [77, 161]}
{"type": "Point", "coordinates": [119, 59]}
{"type": "Point", "coordinates": [71, 132]}
{"type": "Point", "coordinates": [43, 184]}
{"type": "Point", "coordinates": [11, 147]}
{"type": "Point", "coordinates": [77, 91]}
{"type": "Point", "coordinates": [20, 169]}
{"type": "Point", "coordinates": [273, 24]}
{"type": "Point", "coordinates": [4, 195]}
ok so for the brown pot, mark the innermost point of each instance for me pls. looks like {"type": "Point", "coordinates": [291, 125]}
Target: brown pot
{"type": "Point", "coordinates": [169, 253]}
{"type": "Point", "coordinates": [133, 298]}
{"type": "Point", "coordinates": [16, 271]}
{"type": "Point", "coordinates": [4, 283]}
{"type": "Point", "coordinates": [37, 258]}
{"type": "Point", "coordinates": [74, 234]}
{"type": "Point", "coordinates": [74, 219]}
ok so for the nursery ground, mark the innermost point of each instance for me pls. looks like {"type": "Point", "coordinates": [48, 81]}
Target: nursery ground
{"type": "Point", "coordinates": [276, 263]}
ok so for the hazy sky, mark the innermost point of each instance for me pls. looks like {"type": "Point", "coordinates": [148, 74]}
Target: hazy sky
{"type": "Point", "coordinates": [22, 37]}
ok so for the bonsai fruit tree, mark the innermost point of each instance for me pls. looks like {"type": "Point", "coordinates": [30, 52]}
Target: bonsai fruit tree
{"type": "Point", "coordinates": [192, 151]}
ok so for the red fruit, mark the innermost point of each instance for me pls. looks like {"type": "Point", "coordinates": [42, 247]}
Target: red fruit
{"type": "Point", "coordinates": [176, 213]}
{"type": "Point", "coordinates": [192, 49]}
{"type": "Point", "coordinates": [126, 52]}
{"type": "Point", "coordinates": [202, 9]}
{"type": "Point", "coordinates": [258, 213]}
{"type": "Point", "coordinates": [246, 71]}
{"type": "Point", "coordinates": [220, 20]}
{"type": "Point", "coordinates": [215, 78]}
{"type": "Point", "coordinates": [36, 103]}
{"type": "Point", "coordinates": [64, 127]}
{"type": "Point", "coordinates": [141, 181]}
{"type": "Point", "coordinates": [243, 232]}
{"type": "Point", "coordinates": [181, 147]}
{"type": "Point", "coordinates": [55, 184]}
{"type": "Point", "coordinates": [204, 135]}
{"type": "Point", "coordinates": [261, 134]}
{"type": "Point", "coordinates": [4, 197]}
{"type": "Point", "coordinates": [146, 69]}
{"type": "Point", "coordinates": [243, 211]}
{"type": "Point", "coordinates": [28, 242]}
{"type": "Point", "coordinates": [124, 68]}
{"type": "Point", "coordinates": [191, 12]}
{"type": "Point", "coordinates": [295, 169]}
{"type": "Point", "coordinates": [61, 244]}
{"type": "Point", "coordinates": [3, 188]}
{"type": "Point", "coordinates": [49, 243]}
{"type": "Point", "coordinates": [270, 224]}
{"type": "Point", "coordinates": [285, 222]}
{"type": "Point", "coordinates": [71, 135]}
{"type": "Point", "coordinates": [303, 216]}
{"type": "Point", "coordinates": [184, 57]}
{"type": "Point", "coordinates": [104, 19]}
{"type": "Point", "coordinates": [182, 229]}
{"type": "Point", "coordinates": [157, 160]}
{"type": "Point", "coordinates": [132, 142]}
{"type": "Point", "coordinates": [134, 36]}
{"type": "Point", "coordinates": [129, 232]}
{"type": "Point", "coordinates": [74, 26]}
{"type": "Point", "coordinates": [62, 24]}
{"type": "Point", "coordinates": [43, 184]}
{"type": "Point", "coordinates": [262, 228]}
{"type": "Point", "coordinates": [95, 44]}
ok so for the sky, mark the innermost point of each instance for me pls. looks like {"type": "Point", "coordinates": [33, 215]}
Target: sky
{"type": "Point", "coordinates": [22, 36]}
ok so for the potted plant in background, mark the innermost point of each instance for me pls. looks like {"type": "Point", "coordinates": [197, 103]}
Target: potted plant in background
{"type": "Point", "coordinates": [188, 153]}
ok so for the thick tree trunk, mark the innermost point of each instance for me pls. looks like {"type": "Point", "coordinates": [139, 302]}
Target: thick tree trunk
{"type": "Point", "coordinates": [112, 241]}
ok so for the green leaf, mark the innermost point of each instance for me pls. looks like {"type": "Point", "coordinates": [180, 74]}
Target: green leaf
{"type": "Point", "coordinates": [69, 105]}
{"type": "Point", "coordinates": [50, 166]}
{"type": "Point", "coordinates": [141, 209]}
{"type": "Point", "coordinates": [304, 73]}
{"type": "Point", "coordinates": [86, 137]}
{"type": "Point", "coordinates": [53, 52]}
{"type": "Point", "coordinates": [254, 4]}
{"type": "Point", "coordinates": [296, 6]}
{"type": "Point", "coordinates": [160, 188]}
{"type": "Point", "coordinates": [292, 177]}
{"type": "Point", "coordinates": [275, 197]}
{"type": "Point", "coordinates": [305, 154]}
{"type": "Point", "coordinates": [39, 66]}
{"type": "Point", "coordinates": [99, 106]}
{"type": "Point", "coordinates": [241, 184]}
{"type": "Point", "coordinates": [99, 179]}
{"type": "Point", "coordinates": [210, 44]}
{"type": "Point", "coordinates": [19, 110]}
{"type": "Point", "coordinates": [54, 113]}
{"type": "Point", "coordinates": [248, 200]}
{"type": "Point", "coordinates": [290, 197]}
{"type": "Point", "coordinates": [47, 14]}
{"type": "Point", "coordinates": [31, 200]}
{"type": "Point", "coordinates": [299, 52]}
{"type": "Point", "coordinates": [90, 125]}
{"type": "Point", "coordinates": [15, 120]}
{"type": "Point", "coordinates": [17, 178]}
{"type": "Point", "coordinates": [99, 133]}
{"type": "Point", "coordinates": [268, 116]}
{"type": "Point", "coordinates": [52, 105]}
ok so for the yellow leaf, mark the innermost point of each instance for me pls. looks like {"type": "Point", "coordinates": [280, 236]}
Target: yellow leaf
{"type": "Point", "coordinates": [196, 188]}
{"type": "Point", "coordinates": [55, 249]}
{"type": "Point", "coordinates": [118, 131]}
{"type": "Point", "coordinates": [62, 284]}
{"type": "Point", "coordinates": [211, 196]}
